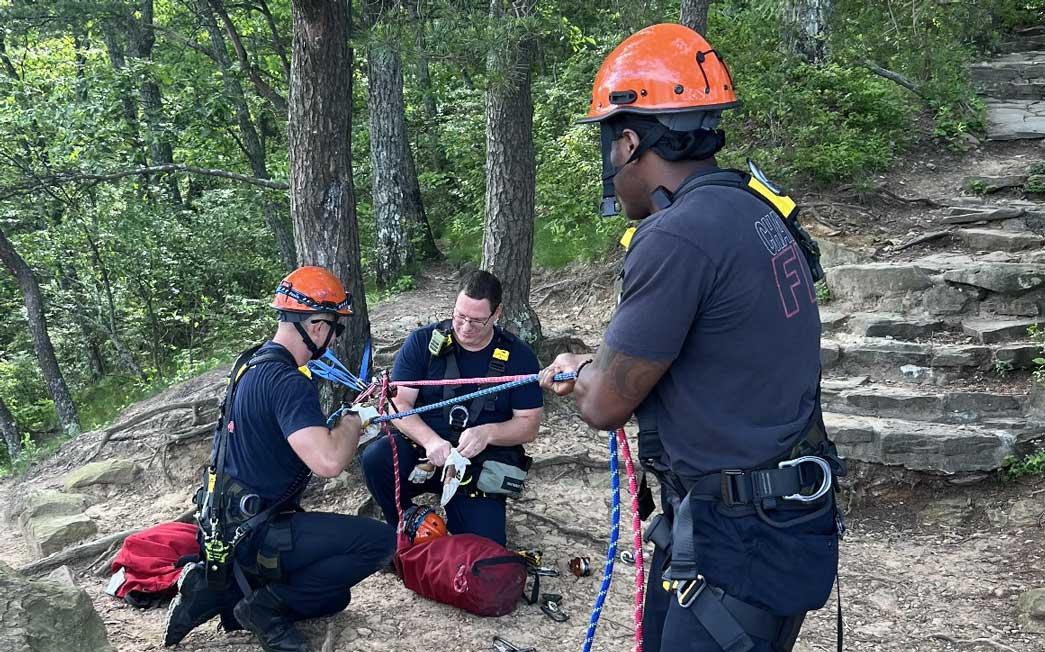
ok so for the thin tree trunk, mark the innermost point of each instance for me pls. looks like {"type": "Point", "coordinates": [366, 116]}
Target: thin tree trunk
{"type": "Point", "coordinates": [321, 196]}
{"type": "Point", "coordinates": [805, 29]}
{"type": "Point", "coordinates": [142, 38]}
{"type": "Point", "coordinates": [694, 15]}
{"type": "Point", "coordinates": [9, 431]}
{"type": "Point", "coordinates": [253, 146]}
{"type": "Point", "coordinates": [388, 150]}
{"type": "Point", "coordinates": [431, 131]}
{"type": "Point", "coordinates": [127, 101]}
{"type": "Point", "coordinates": [510, 172]}
{"type": "Point", "coordinates": [34, 307]}
{"type": "Point", "coordinates": [69, 283]}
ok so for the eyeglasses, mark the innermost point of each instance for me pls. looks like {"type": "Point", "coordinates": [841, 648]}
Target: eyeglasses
{"type": "Point", "coordinates": [470, 321]}
{"type": "Point", "coordinates": [338, 327]}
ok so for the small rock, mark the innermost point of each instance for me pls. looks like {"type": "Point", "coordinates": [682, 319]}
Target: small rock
{"type": "Point", "coordinates": [63, 576]}
{"type": "Point", "coordinates": [365, 632]}
{"type": "Point", "coordinates": [1031, 611]}
{"type": "Point", "coordinates": [947, 512]}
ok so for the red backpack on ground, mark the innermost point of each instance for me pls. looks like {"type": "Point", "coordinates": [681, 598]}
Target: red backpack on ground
{"type": "Point", "coordinates": [463, 570]}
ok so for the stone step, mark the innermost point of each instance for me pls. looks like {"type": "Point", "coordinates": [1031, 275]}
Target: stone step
{"type": "Point", "coordinates": [991, 331]}
{"type": "Point", "coordinates": [924, 363]}
{"type": "Point", "coordinates": [920, 445]}
{"type": "Point", "coordinates": [1029, 64]}
{"type": "Point", "coordinates": [896, 326]}
{"type": "Point", "coordinates": [1015, 119]}
{"type": "Point", "coordinates": [943, 284]}
{"type": "Point", "coordinates": [919, 403]}
{"type": "Point", "coordinates": [999, 240]}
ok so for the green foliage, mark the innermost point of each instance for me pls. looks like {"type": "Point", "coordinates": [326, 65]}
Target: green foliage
{"type": "Point", "coordinates": [1035, 183]}
{"type": "Point", "coordinates": [1037, 168]}
{"type": "Point", "coordinates": [1037, 335]}
{"type": "Point", "coordinates": [823, 293]}
{"type": "Point", "coordinates": [1031, 465]}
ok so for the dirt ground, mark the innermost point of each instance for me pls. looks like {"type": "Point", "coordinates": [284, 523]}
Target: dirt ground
{"type": "Point", "coordinates": [926, 564]}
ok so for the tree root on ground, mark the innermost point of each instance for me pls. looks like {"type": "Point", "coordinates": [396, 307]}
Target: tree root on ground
{"type": "Point", "coordinates": [565, 529]}
{"type": "Point", "coordinates": [74, 554]}
{"type": "Point", "coordinates": [107, 434]}
{"type": "Point", "coordinates": [971, 642]}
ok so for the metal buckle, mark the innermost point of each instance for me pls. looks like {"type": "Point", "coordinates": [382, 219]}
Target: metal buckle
{"type": "Point", "coordinates": [729, 496]}
{"type": "Point", "coordinates": [250, 505]}
{"type": "Point", "coordinates": [825, 483]}
{"type": "Point", "coordinates": [690, 591]}
{"type": "Point", "coordinates": [504, 645]}
{"type": "Point", "coordinates": [455, 413]}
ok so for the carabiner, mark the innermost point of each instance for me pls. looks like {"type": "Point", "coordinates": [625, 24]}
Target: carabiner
{"type": "Point", "coordinates": [825, 484]}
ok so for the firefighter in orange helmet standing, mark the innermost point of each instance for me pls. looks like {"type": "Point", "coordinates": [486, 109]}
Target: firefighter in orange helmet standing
{"type": "Point", "coordinates": [714, 347]}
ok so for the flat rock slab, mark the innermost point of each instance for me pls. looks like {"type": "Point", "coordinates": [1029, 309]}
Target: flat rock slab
{"type": "Point", "coordinates": [47, 616]}
{"type": "Point", "coordinates": [105, 472]}
{"type": "Point", "coordinates": [918, 445]}
{"type": "Point", "coordinates": [51, 503]}
{"type": "Point", "coordinates": [856, 282]}
{"type": "Point", "coordinates": [1015, 119]}
{"type": "Point", "coordinates": [893, 325]}
{"type": "Point", "coordinates": [993, 184]}
{"type": "Point", "coordinates": [49, 534]}
{"type": "Point", "coordinates": [997, 240]}
{"type": "Point", "coordinates": [1003, 278]}
{"type": "Point", "coordinates": [1031, 609]}
{"type": "Point", "coordinates": [987, 331]}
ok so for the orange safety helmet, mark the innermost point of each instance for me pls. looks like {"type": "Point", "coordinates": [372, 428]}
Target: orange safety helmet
{"type": "Point", "coordinates": [423, 524]}
{"type": "Point", "coordinates": [664, 68]}
{"type": "Point", "coordinates": [309, 290]}
{"type": "Point", "coordinates": [665, 71]}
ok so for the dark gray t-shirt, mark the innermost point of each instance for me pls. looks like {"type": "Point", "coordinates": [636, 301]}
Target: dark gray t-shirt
{"type": "Point", "coordinates": [717, 285]}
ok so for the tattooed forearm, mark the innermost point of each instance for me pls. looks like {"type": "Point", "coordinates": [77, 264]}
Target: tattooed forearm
{"type": "Point", "coordinates": [629, 377]}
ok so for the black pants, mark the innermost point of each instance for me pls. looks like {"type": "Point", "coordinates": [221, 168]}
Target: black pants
{"type": "Point", "coordinates": [330, 554]}
{"type": "Point", "coordinates": [482, 515]}
{"type": "Point", "coordinates": [787, 571]}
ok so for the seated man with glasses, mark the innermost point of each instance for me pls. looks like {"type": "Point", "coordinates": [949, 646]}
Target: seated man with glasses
{"type": "Point", "coordinates": [490, 431]}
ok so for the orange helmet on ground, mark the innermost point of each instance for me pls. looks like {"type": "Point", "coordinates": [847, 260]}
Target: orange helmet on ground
{"type": "Point", "coordinates": [309, 290]}
{"type": "Point", "coordinates": [423, 524]}
{"type": "Point", "coordinates": [671, 74]}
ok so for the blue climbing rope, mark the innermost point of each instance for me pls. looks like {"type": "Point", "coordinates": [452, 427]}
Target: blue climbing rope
{"type": "Point", "coordinates": [487, 391]}
{"type": "Point", "coordinates": [611, 552]}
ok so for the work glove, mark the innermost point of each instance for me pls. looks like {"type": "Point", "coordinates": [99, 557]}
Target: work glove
{"type": "Point", "coordinates": [367, 414]}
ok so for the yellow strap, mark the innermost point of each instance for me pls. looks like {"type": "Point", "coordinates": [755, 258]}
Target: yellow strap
{"type": "Point", "coordinates": [782, 203]}
{"type": "Point", "coordinates": [625, 240]}
{"type": "Point", "coordinates": [306, 371]}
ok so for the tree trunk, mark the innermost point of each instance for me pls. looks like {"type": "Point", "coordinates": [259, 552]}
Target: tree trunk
{"type": "Point", "coordinates": [319, 134]}
{"type": "Point", "coordinates": [34, 307]}
{"type": "Point", "coordinates": [388, 153]}
{"type": "Point", "coordinates": [141, 41]}
{"type": "Point", "coordinates": [431, 132]}
{"type": "Point", "coordinates": [69, 283]}
{"type": "Point", "coordinates": [694, 15]}
{"type": "Point", "coordinates": [510, 172]}
{"type": "Point", "coordinates": [130, 105]}
{"type": "Point", "coordinates": [9, 431]}
{"type": "Point", "coordinates": [805, 29]}
{"type": "Point", "coordinates": [253, 146]}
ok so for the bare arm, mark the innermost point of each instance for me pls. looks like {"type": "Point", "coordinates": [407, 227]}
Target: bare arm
{"type": "Point", "coordinates": [610, 388]}
{"type": "Point", "coordinates": [327, 452]}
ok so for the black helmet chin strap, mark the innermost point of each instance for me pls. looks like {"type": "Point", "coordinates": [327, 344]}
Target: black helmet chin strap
{"type": "Point", "coordinates": [610, 205]}
{"type": "Point", "coordinates": [316, 351]}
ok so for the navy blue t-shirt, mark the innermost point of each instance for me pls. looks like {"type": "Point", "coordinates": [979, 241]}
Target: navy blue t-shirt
{"type": "Point", "coordinates": [273, 401]}
{"type": "Point", "coordinates": [412, 363]}
{"type": "Point", "coordinates": [716, 284]}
